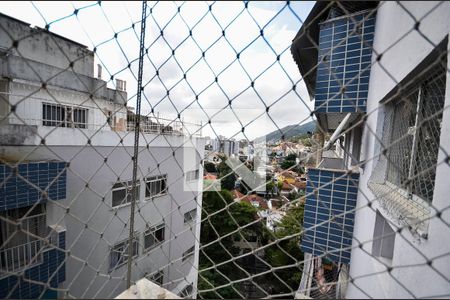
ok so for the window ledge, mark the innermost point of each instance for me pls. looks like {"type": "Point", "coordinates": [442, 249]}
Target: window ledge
{"type": "Point", "coordinates": [114, 208]}
{"type": "Point", "coordinates": [147, 199]}
{"type": "Point", "coordinates": [149, 249]}
{"type": "Point", "coordinates": [400, 209]}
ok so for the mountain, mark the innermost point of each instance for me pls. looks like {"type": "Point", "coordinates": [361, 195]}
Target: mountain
{"type": "Point", "coordinates": [289, 131]}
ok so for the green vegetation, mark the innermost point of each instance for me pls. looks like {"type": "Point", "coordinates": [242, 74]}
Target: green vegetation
{"type": "Point", "coordinates": [226, 175]}
{"type": "Point", "coordinates": [218, 238]}
{"type": "Point", "coordinates": [210, 167]}
{"type": "Point", "coordinates": [287, 252]}
{"type": "Point", "coordinates": [222, 250]}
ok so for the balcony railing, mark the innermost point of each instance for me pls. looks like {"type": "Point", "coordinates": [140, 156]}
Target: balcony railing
{"type": "Point", "coordinates": [22, 256]}
{"type": "Point", "coordinates": [160, 126]}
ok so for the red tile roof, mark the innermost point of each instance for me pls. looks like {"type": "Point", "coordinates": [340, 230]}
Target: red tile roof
{"type": "Point", "coordinates": [210, 176]}
{"type": "Point", "coordinates": [250, 198]}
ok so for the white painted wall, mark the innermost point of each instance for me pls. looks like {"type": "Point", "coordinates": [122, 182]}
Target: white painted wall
{"type": "Point", "coordinates": [416, 280]}
{"type": "Point", "coordinates": [41, 46]}
{"type": "Point", "coordinates": [89, 181]}
{"type": "Point", "coordinates": [28, 99]}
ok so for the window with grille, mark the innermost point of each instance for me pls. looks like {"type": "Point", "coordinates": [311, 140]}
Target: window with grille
{"type": "Point", "coordinates": [154, 236]}
{"type": "Point", "coordinates": [63, 116]}
{"type": "Point", "coordinates": [119, 253]}
{"type": "Point", "coordinates": [122, 193]}
{"type": "Point", "coordinates": [157, 278]}
{"type": "Point", "coordinates": [155, 186]}
{"type": "Point", "coordinates": [190, 216]}
{"type": "Point", "coordinates": [188, 253]}
{"type": "Point", "coordinates": [415, 121]}
{"type": "Point", "coordinates": [21, 248]}
{"type": "Point", "coordinates": [80, 117]}
{"type": "Point", "coordinates": [192, 175]}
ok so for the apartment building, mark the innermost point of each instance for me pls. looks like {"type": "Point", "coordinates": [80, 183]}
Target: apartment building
{"type": "Point", "coordinates": [377, 212]}
{"type": "Point", "coordinates": [66, 149]}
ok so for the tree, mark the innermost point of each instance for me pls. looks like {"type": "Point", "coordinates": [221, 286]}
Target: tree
{"type": "Point", "coordinates": [226, 174]}
{"type": "Point", "coordinates": [287, 252]}
{"type": "Point", "coordinates": [210, 167]}
{"type": "Point", "coordinates": [291, 156]}
{"type": "Point", "coordinates": [223, 216]}
{"type": "Point", "coordinates": [287, 164]}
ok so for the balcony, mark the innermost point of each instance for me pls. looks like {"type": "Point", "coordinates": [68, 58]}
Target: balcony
{"type": "Point", "coordinates": [16, 258]}
{"type": "Point", "coordinates": [157, 125]}
{"type": "Point", "coordinates": [344, 63]}
{"type": "Point", "coordinates": [329, 213]}
{"type": "Point", "coordinates": [39, 261]}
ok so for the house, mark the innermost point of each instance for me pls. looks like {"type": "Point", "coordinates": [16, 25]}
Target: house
{"type": "Point", "coordinates": [287, 188]}
{"type": "Point", "coordinates": [256, 201]}
{"type": "Point", "coordinates": [392, 123]}
{"type": "Point", "coordinates": [66, 175]}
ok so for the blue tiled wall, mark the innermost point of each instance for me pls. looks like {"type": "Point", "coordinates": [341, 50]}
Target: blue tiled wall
{"type": "Point", "coordinates": [47, 270]}
{"type": "Point", "coordinates": [17, 192]}
{"type": "Point", "coordinates": [344, 60]}
{"type": "Point", "coordinates": [328, 194]}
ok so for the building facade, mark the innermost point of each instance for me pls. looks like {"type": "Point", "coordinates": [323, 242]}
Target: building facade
{"type": "Point", "coordinates": [378, 211]}
{"type": "Point", "coordinates": [66, 134]}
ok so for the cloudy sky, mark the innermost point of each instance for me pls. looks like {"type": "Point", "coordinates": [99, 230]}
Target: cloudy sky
{"type": "Point", "coordinates": [176, 53]}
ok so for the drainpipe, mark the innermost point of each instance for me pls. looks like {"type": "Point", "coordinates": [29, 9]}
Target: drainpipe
{"type": "Point", "coordinates": [319, 148]}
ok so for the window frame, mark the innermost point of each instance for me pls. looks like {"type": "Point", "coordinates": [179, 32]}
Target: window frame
{"type": "Point", "coordinates": [163, 188]}
{"type": "Point", "coordinates": [419, 101]}
{"type": "Point", "coordinates": [193, 217]}
{"type": "Point", "coordinates": [382, 234]}
{"type": "Point", "coordinates": [123, 253]}
{"type": "Point", "coordinates": [155, 277]}
{"type": "Point", "coordinates": [188, 254]}
{"type": "Point", "coordinates": [65, 115]}
{"type": "Point", "coordinates": [152, 233]}
{"type": "Point", "coordinates": [187, 291]}
{"type": "Point", "coordinates": [194, 177]}
{"type": "Point", "coordinates": [127, 186]}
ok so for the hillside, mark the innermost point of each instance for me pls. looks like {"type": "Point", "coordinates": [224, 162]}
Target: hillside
{"type": "Point", "coordinates": [289, 131]}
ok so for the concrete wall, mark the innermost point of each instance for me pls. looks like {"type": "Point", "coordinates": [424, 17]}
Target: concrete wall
{"type": "Point", "coordinates": [28, 99]}
{"type": "Point", "coordinates": [418, 279]}
{"type": "Point", "coordinates": [42, 46]}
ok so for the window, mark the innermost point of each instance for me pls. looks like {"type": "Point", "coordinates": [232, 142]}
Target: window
{"type": "Point", "coordinates": [121, 85]}
{"type": "Point", "coordinates": [121, 193]}
{"type": "Point", "coordinates": [154, 236]}
{"type": "Point", "coordinates": [186, 293]}
{"type": "Point", "coordinates": [190, 216]}
{"type": "Point", "coordinates": [383, 238]}
{"type": "Point", "coordinates": [64, 116]}
{"type": "Point", "coordinates": [53, 115]}
{"type": "Point", "coordinates": [80, 117]}
{"type": "Point", "coordinates": [119, 253]}
{"type": "Point", "coordinates": [188, 253]}
{"type": "Point", "coordinates": [155, 186]}
{"type": "Point", "coordinates": [157, 277]}
{"type": "Point", "coordinates": [20, 248]}
{"type": "Point", "coordinates": [415, 125]}
{"type": "Point", "coordinates": [4, 101]}
{"type": "Point", "coordinates": [192, 175]}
